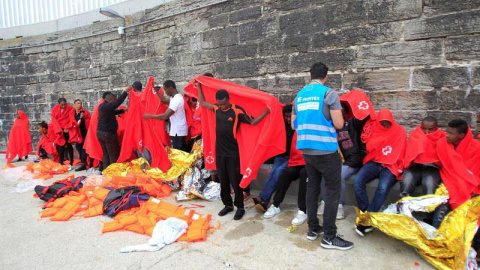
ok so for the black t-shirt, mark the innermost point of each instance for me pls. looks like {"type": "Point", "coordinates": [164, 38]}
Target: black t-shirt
{"type": "Point", "coordinates": [350, 142]}
{"type": "Point", "coordinates": [290, 132]}
{"type": "Point", "coordinates": [227, 123]}
{"type": "Point", "coordinates": [83, 128]}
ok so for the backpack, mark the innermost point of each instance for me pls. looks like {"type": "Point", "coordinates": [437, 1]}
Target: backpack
{"type": "Point", "coordinates": [59, 189]}
{"type": "Point", "coordinates": [122, 199]}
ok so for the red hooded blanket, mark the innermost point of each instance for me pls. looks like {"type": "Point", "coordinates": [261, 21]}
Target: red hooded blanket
{"type": "Point", "coordinates": [74, 131]}
{"type": "Point", "coordinates": [63, 118]}
{"type": "Point", "coordinates": [19, 141]}
{"type": "Point", "coordinates": [385, 146]}
{"type": "Point", "coordinates": [256, 143]}
{"type": "Point", "coordinates": [360, 105]}
{"type": "Point", "coordinates": [47, 142]}
{"type": "Point", "coordinates": [421, 147]}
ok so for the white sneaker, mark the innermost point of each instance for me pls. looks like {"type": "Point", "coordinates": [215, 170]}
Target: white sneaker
{"type": "Point", "coordinates": [340, 212]}
{"type": "Point", "coordinates": [300, 218]}
{"type": "Point", "coordinates": [272, 211]}
{"type": "Point", "coordinates": [321, 208]}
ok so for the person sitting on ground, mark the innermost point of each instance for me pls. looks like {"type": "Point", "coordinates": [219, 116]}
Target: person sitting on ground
{"type": "Point", "coordinates": [280, 163]}
{"type": "Point", "coordinates": [228, 118]}
{"type": "Point", "coordinates": [61, 113]}
{"type": "Point", "coordinates": [386, 141]}
{"type": "Point", "coordinates": [108, 126]}
{"type": "Point", "coordinates": [421, 158]}
{"type": "Point", "coordinates": [46, 146]}
{"type": "Point", "coordinates": [19, 140]}
{"type": "Point", "coordinates": [295, 170]}
{"type": "Point", "coordinates": [353, 152]}
{"type": "Point", "coordinates": [176, 114]}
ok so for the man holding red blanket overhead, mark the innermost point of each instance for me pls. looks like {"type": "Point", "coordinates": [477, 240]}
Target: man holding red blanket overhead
{"type": "Point", "coordinates": [421, 158]}
{"type": "Point", "coordinates": [61, 115]}
{"type": "Point", "coordinates": [227, 120]}
{"type": "Point", "coordinates": [19, 141]}
{"type": "Point", "coordinates": [386, 141]}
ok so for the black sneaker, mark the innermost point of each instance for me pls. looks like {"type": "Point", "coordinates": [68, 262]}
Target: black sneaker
{"type": "Point", "coordinates": [336, 242]}
{"type": "Point", "coordinates": [313, 234]}
{"type": "Point", "coordinates": [225, 210]}
{"type": "Point", "coordinates": [239, 214]}
{"type": "Point", "coordinates": [82, 167]}
{"type": "Point", "coordinates": [362, 230]}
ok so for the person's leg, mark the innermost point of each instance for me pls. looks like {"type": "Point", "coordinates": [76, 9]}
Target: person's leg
{"type": "Point", "coordinates": [313, 191]}
{"type": "Point", "coordinates": [233, 166]}
{"type": "Point", "coordinates": [224, 181]}
{"type": "Point", "coordinates": [439, 214]}
{"type": "Point", "coordinates": [146, 154]}
{"type": "Point", "coordinates": [106, 158]}
{"type": "Point", "coordinates": [68, 148]}
{"type": "Point", "coordinates": [410, 179]}
{"type": "Point", "coordinates": [430, 180]}
{"type": "Point", "coordinates": [279, 165]}
{"type": "Point", "coordinates": [366, 174]}
{"type": "Point", "coordinates": [302, 190]}
{"type": "Point", "coordinates": [81, 151]}
{"type": "Point", "coordinates": [61, 152]}
{"type": "Point", "coordinates": [289, 175]}
{"type": "Point", "coordinates": [113, 147]}
{"type": "Point", "coordinates": [178, 142]}
{"type": "Point", "coordinates": [347, 172]}
{"type": "Point", "coordinates": [386, 180]}
{"type": "Point", "coordinates": [330, 167]}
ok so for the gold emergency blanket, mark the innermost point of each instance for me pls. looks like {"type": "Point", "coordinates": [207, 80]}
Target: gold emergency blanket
{"type": "Point", "coordinates": [180, 160]}
{"type": "Point", "coordinates": [445, 248]}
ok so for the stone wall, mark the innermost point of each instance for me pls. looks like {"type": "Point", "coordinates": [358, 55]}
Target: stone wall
{"type": "Point", "coordinates": [415, 57]}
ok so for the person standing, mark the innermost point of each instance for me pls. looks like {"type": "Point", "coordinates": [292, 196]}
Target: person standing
{"type": "Point", "coordinates": [81, 121]}
{"type": "Point", "coordinates": [19, 140]}
{"type": "Point", "coordinates": [61, 113]}
{"type": "Point", "coordinates": [317, 113]}
{"type": "Point", "coordinates": [107, 126]}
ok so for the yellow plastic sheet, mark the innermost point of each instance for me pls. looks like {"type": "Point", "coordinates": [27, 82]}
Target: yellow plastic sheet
{"type": "Point", "coordinates": [449, 248]}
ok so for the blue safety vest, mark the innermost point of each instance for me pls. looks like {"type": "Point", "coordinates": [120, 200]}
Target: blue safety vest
{"type": "Point", "coordinates": [314, 131]}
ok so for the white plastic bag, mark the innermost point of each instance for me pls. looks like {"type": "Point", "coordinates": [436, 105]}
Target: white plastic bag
{"type": "Point", "coordinates": [25, 186]}
{"type": "Point", "coordinates": [15, 174]}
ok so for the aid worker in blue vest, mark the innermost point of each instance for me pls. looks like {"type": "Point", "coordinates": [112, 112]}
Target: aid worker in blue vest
{"type": "Point", "coordinates": [316, 116]}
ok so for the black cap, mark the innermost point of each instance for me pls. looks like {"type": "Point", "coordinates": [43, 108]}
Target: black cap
{"type": "Point", "coordinates": [137, 85]}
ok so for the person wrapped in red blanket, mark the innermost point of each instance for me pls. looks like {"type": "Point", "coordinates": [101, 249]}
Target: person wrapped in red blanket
{"type": "Point", "coordinates": [62, 113]}
{"type": "Point", "coordinates": [47, 145]}
{"type": "Point", "coordinates": [421, 158]}
{"type": "Point", "coordinates": [19, 141]}
{"type": "Point", "coordinates": [226, 118]}
{"type": "Point", "coordinates": [386, 141]}
{"type": "Point", "coordinates": [80, 119]}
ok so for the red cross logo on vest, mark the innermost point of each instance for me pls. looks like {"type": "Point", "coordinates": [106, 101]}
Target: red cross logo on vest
{"type": "Point", "coordinates": [363, 105]}
{"type": "Point", "coordinates": [387, 150]}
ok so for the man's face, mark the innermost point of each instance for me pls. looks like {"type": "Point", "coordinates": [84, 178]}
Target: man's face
{"type": "Point", "coordinates": [385, 124]}
{"type": "Point", "coordinates": [223, 103]}
{"type": "Point", "coordinates": [18, 115]}
{"type": "Point", "coordinates": [41, 129]}
{"type": "Point", "coordinates": [453, 136]}
{"type": "Point", "coordinates": [77, 105]}
{"type": "Point", "coordinates": [63, 104]}
{"type": "Point", "coordinates": [429, 127]}
{"type": "Point", "coordinates": [287, 117]}
{"type": "Point", "coordinates": [194, 103]}
{"type": "Point", "coordinates": [169, 91]}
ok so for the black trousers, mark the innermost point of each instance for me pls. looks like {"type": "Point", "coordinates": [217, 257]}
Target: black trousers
{"type": "Point", "coordinates": [178, 142]}
{"type": "Point", "coordinates": [82, 154]}
{"type": "Point", "coordinates": [288, 176]}
{"type": "Point", "coordinates": [228, 171]}
{"type": "Point", "coordinates": [330, 168]}
{"type": "Point", "coordinates": [110, 147]}
{"type": "Point", "coordinates": [65, 151]}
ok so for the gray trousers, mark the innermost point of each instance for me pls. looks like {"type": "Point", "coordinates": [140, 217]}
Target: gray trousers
{"type": "Point", "coordinates": [428, 176]}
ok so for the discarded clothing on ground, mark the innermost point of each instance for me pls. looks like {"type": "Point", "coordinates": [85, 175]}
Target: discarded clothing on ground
{"type": "Point", "coordinates": [59, 188]}
{"type": "Point", "coordinates": [122, 199]}
{"type": "Point", "coordinates": [195, 186]}
{"type": "Point", "coordinates": [165, 232]}
{"type": "Point", "coordinates": [445, 248]}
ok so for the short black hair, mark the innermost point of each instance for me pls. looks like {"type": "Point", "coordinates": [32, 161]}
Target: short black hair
{"type": "Point", "coordinates": [60, 100]}
{"type": "Point", "coordinates": [318, 71]}
{"type": "Point", "coordinates": [194, 99]}
{"type": "Point", "coordinates": [43, 124]}
{"type": "Point", "coordinates": [287, 109]}
{"type": "Point", "coordinates": [221, 94]}
{"type": "Point", "coordinates": [105, 94]}
{"type": "Point", "coordinates": [169, 83]}
{"type": "Point", "coordinates": [77, 100]}
{"type": "Point", "coordinates": [137, 85]}
{"type": "Point", "coordinates": [431, 119]}
{"type": "Point", "coordinates": [460, 125]}
{"type": "Point", "coordinates": [208, 74]}
{"type": "Point", "coordinates": [109, 95]}
{"type": "Point", "coordinates": [156, 87]}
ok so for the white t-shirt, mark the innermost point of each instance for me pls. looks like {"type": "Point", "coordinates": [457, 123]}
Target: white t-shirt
{"type": "Point", "coordinates": [178, 121]}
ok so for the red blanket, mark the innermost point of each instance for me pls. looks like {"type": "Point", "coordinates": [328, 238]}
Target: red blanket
{"type": "Point", "coordinates": [63, 118]}
{"type": "Point", "coordinates": [19, 141]}
{"type": "Point", "coordinates": [196, 127]}
{"type": "Point", "coordinates": [385, 146]}
{"type": "Point", "coordinates": [469, 149]}
{"type": "Point", "coordinates": [457, 176]}
{"type": "Point", "coordinates": [47, 142]}
{"type": "Point", "coordinates": [74, 131]}
{"type": "Point", "coordinates": [256, 143]}
{"type": "Point", "coordinates": [148, 133]}
{"type": "Point", "coordinates": [296, 157]}
{"type": "Point", "coordinates": [360, 105]}
{"type": "Point", "coordinates": [421, 147]}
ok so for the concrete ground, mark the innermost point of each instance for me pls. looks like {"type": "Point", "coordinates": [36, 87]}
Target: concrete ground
{"type": "Point", "coordinates": [28, 242]}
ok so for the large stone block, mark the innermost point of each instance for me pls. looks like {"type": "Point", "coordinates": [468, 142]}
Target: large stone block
{"type": "Point", "coordinates": [345, 15]}
{"type": "Point", "coordinates": [303, 22]}
{"type": "Point", "coordinates": [220, 37]}
{"type": "Point", "coordinates": [210, 56]}
{"type": "Point", "coordinates": [393, 10]}
{"type": "Point", "coordinates": [442, 77]}
{"type": "Point", "coordinates": [246, 14]}
{"type": "Point", "coordinates": [459, 99]}
{"type": "Point", "coordinates": [48, 78]}
{"type": "Point", "coordinates": [34, 67]}
{"type": "Point", "coordinates": [219, 20]}
{"type": "Point", "coordinates": [283, 85]}
{"type": "Point", "coordinates": [424, 52]}
{"type": "Point", "coordinates": [463, 48]}
{"type": "Point", "coordinates": [54, 65]}
{"type": "Point", "coordinates": [270, 46]}
{"type": "Point", "coordinates": [435, 7]}
{"type": "Point", "coordinates": [335, 60]}
{"type": "Point", "coordinates": [7, 81]}
{"type": "Point", "coordinates": [402, 100]}
{"type": "Point", "coordinates": [239, 68]}
{"type": "Point", "coordinates": [275, 64]}
{"type": "Point", "coordinates": [68, 75]}
{"type": "Point", "coordinates": [378, 80]}
{"type": "Point", "coordinates": [242, 51]}
{"type": "Point", "coordinates": [409, 119]}
{"type": "Point", "coordinates": [113, 57]}
{"type": "Point", "coordinates": [257, 29]}
{"type": "Point", "coordinates": [131, 53]}
{"type": "Point", "coordinates": [467, 22]}
{"type": "Point", "coordinates": [297, 43]}
{"type": "Point", "coordinates": [370, 34]}
{"type": "Point", "coordinates": [446, 116]}
{"type": "Point", "coordinates": [26, 79]}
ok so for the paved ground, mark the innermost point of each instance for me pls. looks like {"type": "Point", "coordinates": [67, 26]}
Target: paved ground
{"type": "Point", "coordinates": [28, 242]}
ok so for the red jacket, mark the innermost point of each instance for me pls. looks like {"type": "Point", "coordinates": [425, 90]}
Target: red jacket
{"type": "Point", "coordinates": [74, 132]}
{"type": "Point", "coordinates": [296, 157]}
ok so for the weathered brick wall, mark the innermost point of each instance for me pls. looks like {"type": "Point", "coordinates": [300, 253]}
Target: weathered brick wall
{"type": "Point", "coordinates": [415, 57]}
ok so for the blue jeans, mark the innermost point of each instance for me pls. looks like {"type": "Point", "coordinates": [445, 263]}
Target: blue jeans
{"type": "Point", "coordinates": [368, 173]}
{"type": "Point", "coordinates": [279, 165]}
{"type": "Point", "coordinates": [347, 172]}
